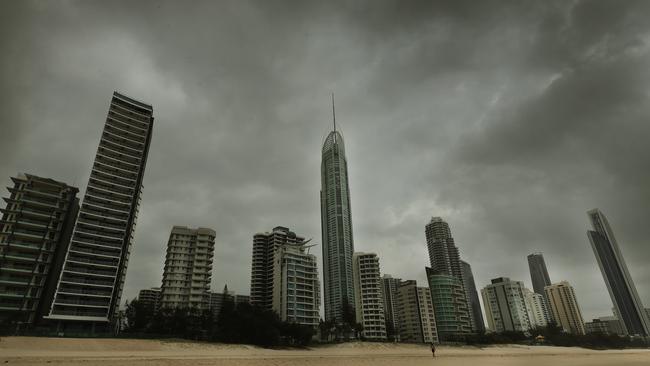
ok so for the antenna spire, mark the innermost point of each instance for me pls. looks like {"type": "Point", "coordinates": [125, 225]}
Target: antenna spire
{"type": "Point", "coordinates": [333, 112]}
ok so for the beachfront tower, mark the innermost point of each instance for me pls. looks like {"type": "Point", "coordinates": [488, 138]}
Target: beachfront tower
{"type": "Point", "coordinates": [622, 291]}
{"type": "Point", "coordinates": [90, 286]}
{"type": "Point", "coordinates": [336, 227]}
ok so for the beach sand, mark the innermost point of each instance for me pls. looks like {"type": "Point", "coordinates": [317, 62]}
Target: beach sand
{"type": "Point", "coordinates": [122, 352]}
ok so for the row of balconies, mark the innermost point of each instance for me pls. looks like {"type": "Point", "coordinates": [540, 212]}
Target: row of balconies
{"type": "Point", "coordinates": [126, 122]}
{"type": "Point", "coordinates": [131, 111]}
{"type": "Point", "coordinates": [122, 139]}
{"type": "Point", "coordinates": [114, 124]}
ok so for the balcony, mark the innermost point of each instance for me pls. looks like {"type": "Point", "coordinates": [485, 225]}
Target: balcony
{"type": "Point", "coordinates": [106, 150]}
{"type": "Point", "coordinates": [91, 251]}
{"type": "Point", "coordinates": [127, 121]}
{"type": "Point", "coordinates": [111, 187]}
{"type": "Point", "coordinates": [110, 211]}
{"type": "Point", "coordinates": [109, 196]}
{"type": "Point", "coordinates": [118, 162]}
{"type": "Point", "coordinates": [125, 142]}
{"type": "Point", "coordinates": [84, 291]}
{"type": "Point", "coordinates": [95, 261]}
{"type": "Point", "coordinates": [97, 215]}
{"type": "Point", "coordinates": [114, 179]}
{"type": "Point", "coordinates": [102, 225]}
{"type": "Point", "coordinates": [107, 142]}
{"type": "Point", "coordinates": [86, 281]}
{"type": "Point", "coordinates": [118, 127]}
{"type": "Point", "coordinates": [110, 168]}
{"type": "Point", "coordinates": [129, 111]}
{"type": "Point", "coordinates": [75, 268]}
{"type": "Point", "coordinates": [98, 243]}
{"type": "Point", "coordinates": [110, 239]}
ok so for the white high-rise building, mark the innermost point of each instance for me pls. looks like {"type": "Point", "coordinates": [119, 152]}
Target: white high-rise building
{"type": "Point", "coordinates": [536, 307]}
{"type": "Point", "coordinates": [565, 308]}
{"type": "Point", "coordinates": [368, 295]}
{"type": "Point", "coordinates": [90, 285]}
{"type": "Point", "coordinates": [505, 306]}
{"type": "Point", "coordinates": [188, 268]}
{"type": "Point", "coordinates": [296, 289]}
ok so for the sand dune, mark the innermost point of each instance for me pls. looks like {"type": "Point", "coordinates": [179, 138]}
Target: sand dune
{"type": "Point", "coordinates": [121, 352]}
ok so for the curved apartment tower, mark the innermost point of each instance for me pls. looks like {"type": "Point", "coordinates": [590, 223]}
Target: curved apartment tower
{"type": "Point", "coordinates": [91, 281]}
{"type": "Point", "coordinates": [336, 227]}
{"type": "Point", "coordinates": [619, 283]}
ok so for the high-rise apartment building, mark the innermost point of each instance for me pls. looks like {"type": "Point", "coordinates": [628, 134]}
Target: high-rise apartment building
{"type": "Point", "coordinates": [617, 277]}
{"type": "Point", "coordinates": [296, 289]}
{"type": "Point", "coordinates": [389, 287]}
{"type": "Point", "coordinates": [284, 276]}
{"type": "Point", "coordinates": [416, 318]}
{"type": "Point", "coordinates": [537, 310]}
{"type": "Point", "coordinates": [445, 260]}
{"type": "Point", "coordinates": [336, 227]}
{"type": "Point", "coordinates": [449, 304]}
{"type": "Point", "coordinates": [90, 286]}
{"type": "Point", "coordinates": [443, 253]}
{"type": "Point", "coordinates": [505, 306]}
{"type": "Point", "coordinates": [368, 295]}
{"type": "Point", "coordinates": [188, 268]}
{"type": "Point", "coordinates": [34, 233]}
{"type": "Point", "coordinates": [265, 255]}
{"type": "Point", "coordinates": [565, 308]}
{"type": "Point", "coordinates": [472, 294]}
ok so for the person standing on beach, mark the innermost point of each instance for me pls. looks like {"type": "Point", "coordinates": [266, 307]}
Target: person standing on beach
{"type": "Point", "coordinates": [433, 349]}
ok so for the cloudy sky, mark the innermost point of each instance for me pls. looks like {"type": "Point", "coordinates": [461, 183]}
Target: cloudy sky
{"type": "Point", "coordinates": [508, 119]}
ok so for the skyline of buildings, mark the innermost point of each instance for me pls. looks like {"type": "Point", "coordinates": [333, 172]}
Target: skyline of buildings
{"type": "Point", "coordinates": [95, 254]}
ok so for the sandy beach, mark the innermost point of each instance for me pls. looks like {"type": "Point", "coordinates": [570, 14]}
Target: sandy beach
{"type": "Point", "coordinates": [120, 352]}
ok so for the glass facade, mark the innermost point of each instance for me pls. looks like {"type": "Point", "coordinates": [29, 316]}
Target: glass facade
{"type": "Point", "coordinates": [336, 226]}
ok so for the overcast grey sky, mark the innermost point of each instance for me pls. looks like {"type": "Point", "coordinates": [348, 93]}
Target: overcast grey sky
{"type": "Point", "coordinates": [509, 119]}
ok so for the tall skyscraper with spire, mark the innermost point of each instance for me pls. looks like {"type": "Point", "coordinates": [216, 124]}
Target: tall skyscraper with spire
{"type": "Point", "coordinates": [627, 303]}
{"type": "Point", "coordinates": [89, 287]}
{"type": "Point", "coordinates": [336, 226]}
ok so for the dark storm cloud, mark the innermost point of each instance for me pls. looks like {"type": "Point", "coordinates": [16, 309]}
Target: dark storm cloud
{"type": "Point", "coordinates": [508, 118]}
